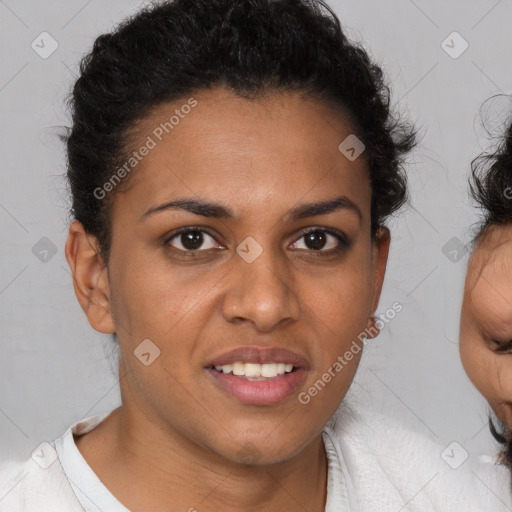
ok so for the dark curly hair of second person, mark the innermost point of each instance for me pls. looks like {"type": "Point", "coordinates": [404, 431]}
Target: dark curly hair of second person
{"type": "Point", "coordinates": [254, 47]}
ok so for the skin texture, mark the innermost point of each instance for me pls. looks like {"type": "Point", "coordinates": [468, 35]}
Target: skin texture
{"type": "Point", "coordinates": [486, 320]}
{"type": "Point", "coordinates": [179, 441]}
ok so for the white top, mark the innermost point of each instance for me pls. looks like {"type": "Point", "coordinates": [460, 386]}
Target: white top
{"type": "Point", "coordinates": [374, 465]}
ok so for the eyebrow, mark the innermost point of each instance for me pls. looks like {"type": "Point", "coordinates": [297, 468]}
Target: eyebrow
{"type": "Point", "coordinates": [218, 211]}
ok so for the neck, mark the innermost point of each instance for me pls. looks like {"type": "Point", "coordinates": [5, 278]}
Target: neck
{"type": "Point", "coordinates": [146, 466]}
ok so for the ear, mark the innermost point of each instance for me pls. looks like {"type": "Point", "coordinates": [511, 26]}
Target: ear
{"type": "Point", "coordinates": [90, 278]}
{"type": "Point", "coordinates": [380, 254]}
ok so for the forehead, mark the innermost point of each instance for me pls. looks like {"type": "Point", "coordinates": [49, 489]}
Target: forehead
{"type": "Point", "coordinates": [489, 278]}
{"type": "Point", "coordinates": [281, 146]}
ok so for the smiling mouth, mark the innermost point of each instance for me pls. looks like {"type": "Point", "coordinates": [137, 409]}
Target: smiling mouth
{"type": "Point", "coordinates": [263, 376]}
{"type": "Point", "coordinates": [252, 387]}
{"type": "Point", "coordinates": [256, 372]}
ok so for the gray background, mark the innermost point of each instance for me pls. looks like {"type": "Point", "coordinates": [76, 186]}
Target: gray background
{"type": "Point", "coordinates": [54, 369]}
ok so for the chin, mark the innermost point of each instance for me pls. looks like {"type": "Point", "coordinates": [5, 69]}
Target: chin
{"type": "Point", "coordinates": [254, 453]}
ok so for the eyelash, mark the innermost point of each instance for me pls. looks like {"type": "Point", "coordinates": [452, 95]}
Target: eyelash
{"type": "Point", "coordinates": [503, 347]}
{"type": "Point", "coordinates": [343, 242]}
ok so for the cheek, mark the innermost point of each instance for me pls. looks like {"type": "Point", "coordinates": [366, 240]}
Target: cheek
{"type": "Point", "coordinates": [338, 308]}
{"type": "Point", "coordinates": [490, 373]}
{"type": "Point", "coordinates": [150, 299]}
{"type": "Point", "coordinates": [341, 308]}
{"type": "Point", "coordinates": [476, 359]}
{"type": "Point", "coordinates": [343, 295]}
{"type": "Point", "coordinates": [467, 348]}
{"type": "Point", "coordinates": [500, 375]}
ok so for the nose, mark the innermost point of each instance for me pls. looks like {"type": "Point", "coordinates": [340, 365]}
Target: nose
{"type": "Point", "coordinates": [261, 292]}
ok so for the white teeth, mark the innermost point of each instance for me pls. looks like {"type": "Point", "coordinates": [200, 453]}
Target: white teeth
{"type": "Point", "coordinates": [269, 370]}
{"type": "Point", "coordinates": [227, 368]}
{"type": "Point", "coordinates": [238, 369]}
{"type": "Point", "coordinates": [254, 370]}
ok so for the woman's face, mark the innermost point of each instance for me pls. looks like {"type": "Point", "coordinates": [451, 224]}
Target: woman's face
{"type": "Point", "coordinates": [246, 277]}
{"type": "Point", "coordinates": [486, 320]}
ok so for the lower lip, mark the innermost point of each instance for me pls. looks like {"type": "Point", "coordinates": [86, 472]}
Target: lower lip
{"type": "Point", "coordinates": [267, 392]}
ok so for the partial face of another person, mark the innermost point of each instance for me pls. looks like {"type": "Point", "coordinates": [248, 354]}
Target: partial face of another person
{"type": "Point", "coordinates": [486, 320]}
{"type": "Point", "coordinates": [243, 260]}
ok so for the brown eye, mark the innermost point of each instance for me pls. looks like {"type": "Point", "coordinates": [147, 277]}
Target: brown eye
{"type": "Point", "coordinates": [322, 240]}
{"type": "Point", "coordinates": [192, 239]}
{"type": "Point", "coordinates": [315, 240]}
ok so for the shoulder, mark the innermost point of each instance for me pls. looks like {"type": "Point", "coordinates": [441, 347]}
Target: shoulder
{"type": "Point", "coordinates": [395, 467]}
{"type": "Point", "coordinates": [33, 486]}
{"type": "Point", "coordinates": [40, 482]}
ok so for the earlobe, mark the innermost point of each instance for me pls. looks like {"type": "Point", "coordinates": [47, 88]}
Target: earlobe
{"type": "Point", "coordinates": [90, 278]}
{"type": "Point", "coordinates": [372, 331]}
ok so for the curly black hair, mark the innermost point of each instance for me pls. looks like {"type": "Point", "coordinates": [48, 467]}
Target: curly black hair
{"type": "Point", "coordinates": [491, 186]}
{"type": "Point", "coordinates": [491, 189]}
{"type": "Point", "coordinates": [170, 49]}
{"type": "Point", "coordinates": [504, 437]}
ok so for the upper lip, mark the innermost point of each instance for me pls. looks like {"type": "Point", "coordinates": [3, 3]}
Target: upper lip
{"type": "Point", "coordinates": [259, 355]}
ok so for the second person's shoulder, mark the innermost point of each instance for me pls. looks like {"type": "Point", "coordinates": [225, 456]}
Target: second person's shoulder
{"type": "Point", "coordinates": [394, 466]}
